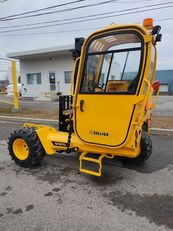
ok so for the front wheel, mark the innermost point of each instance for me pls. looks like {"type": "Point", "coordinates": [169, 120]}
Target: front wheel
{"type": "Point", "coordinates": [25, 147]}
{"type": "Point", "coordinates": [146, 150]}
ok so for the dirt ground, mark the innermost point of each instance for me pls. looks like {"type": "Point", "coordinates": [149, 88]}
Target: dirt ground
{"type": "Point", "coordinates": [162, 116]}
{"type": "Point", "coordinates": [162, 122]}
{"type": "Point", "coordinates": [52, 113]}
{"type": "Point", "coordinates": [41, 113]}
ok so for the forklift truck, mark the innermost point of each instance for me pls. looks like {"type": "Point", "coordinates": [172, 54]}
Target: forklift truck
{"type": "Point", "coordinates": [109, 110]}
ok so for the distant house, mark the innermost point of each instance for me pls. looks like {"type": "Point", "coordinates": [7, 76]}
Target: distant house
{"type": "Point", "coordinates": [45, 72]}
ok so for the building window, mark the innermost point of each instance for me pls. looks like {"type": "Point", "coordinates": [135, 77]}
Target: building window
{"type": "Point", "coordinates": [39, 78]}
{"type": "Point", "coordinates": [30, 79]}
{"type": "Point", "coordinates": [52, 81]}
{"type": "Point", "coordinates": [68, 76]}
{"type": "Point", "coordinates": [34, 78]}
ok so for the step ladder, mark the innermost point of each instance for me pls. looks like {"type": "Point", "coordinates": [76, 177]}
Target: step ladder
{"type": "Point", "coordinates": [83, 157]}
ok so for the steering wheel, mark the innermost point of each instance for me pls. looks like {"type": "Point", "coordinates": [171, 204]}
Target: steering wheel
{"type": "Point", "coordinates": [96, 85]}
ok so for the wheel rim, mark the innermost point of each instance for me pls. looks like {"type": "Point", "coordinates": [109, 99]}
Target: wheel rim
{"type": "Point", "coordinates": [20, 149]}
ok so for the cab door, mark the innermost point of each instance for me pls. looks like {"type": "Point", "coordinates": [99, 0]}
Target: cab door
{"type": "Point", "coordinates": [106, 98]}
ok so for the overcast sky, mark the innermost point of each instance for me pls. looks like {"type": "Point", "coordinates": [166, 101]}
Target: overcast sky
{"type": "Point", "coordinates": [54, 36]}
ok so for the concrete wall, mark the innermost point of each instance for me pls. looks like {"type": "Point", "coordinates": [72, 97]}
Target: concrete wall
{"type": "Point", "coordinates": [3, 76]}
{"type": "Point", "coordinates": [57, 64]}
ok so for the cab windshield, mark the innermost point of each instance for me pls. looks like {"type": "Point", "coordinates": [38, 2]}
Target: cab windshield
{"type": "Point", "coordinates": [112, 64]}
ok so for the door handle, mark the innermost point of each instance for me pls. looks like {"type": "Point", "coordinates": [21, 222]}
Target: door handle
{"type": "Point", "coordinates": [81, 105]}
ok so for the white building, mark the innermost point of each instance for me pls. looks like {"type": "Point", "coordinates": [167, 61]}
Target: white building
{"type": "Point", "coordinates": [3, 75]}
{"type": "Point", "coordinates": [45, 72]}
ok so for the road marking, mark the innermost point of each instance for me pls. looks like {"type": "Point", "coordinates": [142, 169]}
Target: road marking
{"type": "Point", "coordinates": [162, 129]}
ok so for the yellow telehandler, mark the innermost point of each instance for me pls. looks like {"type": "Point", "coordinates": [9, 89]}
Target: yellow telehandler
{"type": "Point", "coordinates": [109, 110]}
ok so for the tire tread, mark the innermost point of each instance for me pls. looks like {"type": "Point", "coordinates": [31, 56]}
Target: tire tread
{"type": "Point", "coordinates": [36, 150]}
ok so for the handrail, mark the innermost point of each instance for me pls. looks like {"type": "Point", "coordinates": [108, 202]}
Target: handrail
{"type": "Point", "coordinates": [73, 75]}
{"type": "Point", "coordinates": [146, 98]}
{"type": "Point", "coordinates": [156, 98]}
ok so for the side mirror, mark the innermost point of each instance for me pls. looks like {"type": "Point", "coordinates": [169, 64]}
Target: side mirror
{"type": "Point", "coordinates": [158, 38]}
{"type": "Point", "coordinates": [156, 33]}
{"type": "Point", "coordinates": [156, 30]}
{"type": "Point", "coordinates": [78, 46]}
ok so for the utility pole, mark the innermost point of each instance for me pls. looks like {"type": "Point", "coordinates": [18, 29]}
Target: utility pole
{"type": "Point", "coordinates": [15, 89]}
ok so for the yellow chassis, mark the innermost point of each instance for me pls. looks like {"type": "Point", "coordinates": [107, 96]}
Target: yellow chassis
{"type": "Point", "coordinates": [54, 141]}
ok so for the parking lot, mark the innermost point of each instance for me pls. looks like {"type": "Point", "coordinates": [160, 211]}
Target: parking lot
{"type": "Point", "coordinates": [55, 196]}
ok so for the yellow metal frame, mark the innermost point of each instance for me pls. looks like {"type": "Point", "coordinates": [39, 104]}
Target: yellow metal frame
{"type": "Point", "coordinates": [155, 99]}
{"type": "Point", "coordinates": [83, 157]}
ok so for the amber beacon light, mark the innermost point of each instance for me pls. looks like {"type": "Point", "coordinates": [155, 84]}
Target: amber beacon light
{"type": "Point", "coordinates": [148, 23]}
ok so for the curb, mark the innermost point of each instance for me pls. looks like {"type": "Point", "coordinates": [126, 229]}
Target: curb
{"type": "Point", "coordinates": [161, 131]}
{"type": "Point", "coordinates": [56, 122]}
{"type": "Point", "coordinates": [29, 120]}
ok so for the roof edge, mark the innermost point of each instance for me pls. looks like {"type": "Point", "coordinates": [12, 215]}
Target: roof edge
{"type": "Point", "coordinates": [18, 55]}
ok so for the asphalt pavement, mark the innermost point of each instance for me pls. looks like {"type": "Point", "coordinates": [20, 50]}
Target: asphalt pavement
{"type": "Point", "coordinates": [56, 197]}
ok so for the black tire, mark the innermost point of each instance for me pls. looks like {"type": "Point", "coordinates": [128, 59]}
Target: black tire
{"type": "Point", "coordinates": [146, 150]}
{"type": "Point", "coordinates": [36, 150]}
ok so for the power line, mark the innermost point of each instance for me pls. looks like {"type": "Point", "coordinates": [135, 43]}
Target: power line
{"type": "Point", "coordinates": [141, 1]}
{"type": "Point", "coordinates": [81, 17]}
{"type": "Point", "coordinates": [56, 32]}
{"type": "Point", "coordinates": [47, 22]}
{"type": "Point", "coordinates": [74, 30]}
{"type": "Point", "coordinates": [12, 17]}
{"type": "Point", "coordinates": [58, 11]}
{"type": "Point", "coordinates": [42, 9]}
{"type": "Point", "coordinates": [3, 1]}
{"type": "Point", "coordinates": [164, 19]}
{"type": "Point", "coordinates": [92, 19]}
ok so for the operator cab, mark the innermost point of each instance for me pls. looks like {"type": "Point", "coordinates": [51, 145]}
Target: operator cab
{"type": "Point", "coordinates": [115, 74]}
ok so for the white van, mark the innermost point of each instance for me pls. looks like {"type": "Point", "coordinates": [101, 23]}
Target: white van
{"type": "Point", "coordinates": [10, 89]}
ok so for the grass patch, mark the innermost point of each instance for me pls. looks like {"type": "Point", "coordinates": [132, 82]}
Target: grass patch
{"type": "Point", "coordinates": [5, 110]}
{"type": "Point", "coordinates": [28, 112]}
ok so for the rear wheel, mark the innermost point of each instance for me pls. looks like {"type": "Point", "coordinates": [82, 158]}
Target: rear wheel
{"type": "Point", "coordinates": [146, 150]}
{"type": "Point", "coordinates": [25, 147]}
